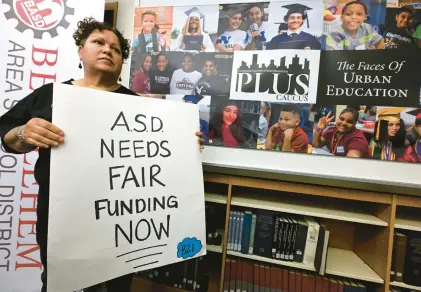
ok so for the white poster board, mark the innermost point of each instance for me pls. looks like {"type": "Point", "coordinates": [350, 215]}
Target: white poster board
{"type": "Point", "coordinates": [154, 179]}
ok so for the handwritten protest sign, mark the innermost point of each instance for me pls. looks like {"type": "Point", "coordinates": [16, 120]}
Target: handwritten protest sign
{"type": "Point", "coordinates": [126, 190]}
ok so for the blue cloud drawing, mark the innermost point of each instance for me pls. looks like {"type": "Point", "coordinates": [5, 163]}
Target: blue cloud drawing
{"type": "Point", "coordinates": [189, 247]}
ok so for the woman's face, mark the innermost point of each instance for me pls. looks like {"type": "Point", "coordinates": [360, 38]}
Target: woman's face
{"type": "Point", "coordinates": [235, 21]}
{"type": "Point", "coordinates": [353, 17]}
{"type": "Point", "coordinates": [255, 15]}
{"type": "Point", "coordinates": [345, 123]}
{"type": "Point", "coordinates": [187, 63]}
{"type": "Point", "coordinates": [393, 128]}
{"type": "Point", "coordinates": [102, 52]}
{"type": "Point", "coordinates": [229, 115]}
{"type": "Point", "coordinates": [147, 63]}
{"type": "Point", "coordinates": [194, 22]}
{"type": "Point", "coordinates": [373, 110]}
{"type": "Point", "coordinates": [209, 68]}
{"type": "Point", "coordinates": [403, 20]}
{"type": "Point", "coordinates": [162, 63]}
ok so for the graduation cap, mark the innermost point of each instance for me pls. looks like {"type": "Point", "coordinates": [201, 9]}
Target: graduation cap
{"type": "Point", "coordinates": [417, 114]}
{"type": "Point", "coordinates": [390, 114]}
{"type": "Point", "coordinates": [194, 12]}
{"type": "Point", "coordinates": [297, 8]}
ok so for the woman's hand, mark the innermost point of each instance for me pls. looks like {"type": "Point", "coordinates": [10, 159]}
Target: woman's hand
{"type": "Point", "coordinates": [204, 48]}
{"type": "Point", "coordinates": [324, 121]}
{"type": "Point", "coordinates": [201, 140]}
{"type": "Point", "coordinates": [41, 133]}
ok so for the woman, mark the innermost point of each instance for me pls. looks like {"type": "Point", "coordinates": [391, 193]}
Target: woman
{"type": "Point", "coordinates": [389, 141]}
{"type": "Point", "coordinates": [225, 127]}
{"type": "Point", "coordinates": [211, 83]}
{"type": "Point", "coordinates": [256, 34]}
{"type": "Point", "coordinates": [140, 82]}
{"type": "Point", "coordinates": [193, 27]}
{"type": "Point", "coordinates": [160, 77]}
{"type": "Point", "coordinates": [27, 125]}
{"type": "Point", "coordinates": [265, 113]}
{"type": "Point", "coordinates": [413, 152]}
{"type": "Point", "coordinates": [233, 39]}
{"type": "Point", "coordinates": [343, 139]}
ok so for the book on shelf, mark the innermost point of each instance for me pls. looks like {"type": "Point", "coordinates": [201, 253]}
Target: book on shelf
{"type": "Point", "coordinates": [188, 275]}
{"type": "Point", "coordinates": [251, 276]}
{"type": "Point", "coordinates": [279, 236]}
{"type": "Point", "coordinates": [406, 258]}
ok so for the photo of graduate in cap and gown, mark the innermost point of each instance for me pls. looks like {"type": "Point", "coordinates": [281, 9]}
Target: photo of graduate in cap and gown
{"type": "Point", "coordinates": [390, 134]}
{"type": "Point", "coordinates": [192, 36]}
{"type": "Point", "coordinates": [295, 37]}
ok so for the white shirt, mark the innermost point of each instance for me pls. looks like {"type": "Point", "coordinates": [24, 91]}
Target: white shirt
{"type": "Point", "coordinates": [290, 32]}
{"type": "Point", "coordinates": [230, 39]}
{"type": "Point", "coordinates": [262, 33]}
{"type": "Point", "coordinates": [176, 46]}
{"type": "Point", "coordinates": [184, 83]}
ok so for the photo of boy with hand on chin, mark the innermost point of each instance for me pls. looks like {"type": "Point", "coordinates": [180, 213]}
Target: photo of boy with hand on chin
{"type": "Point", "coordinates": [286, 135]}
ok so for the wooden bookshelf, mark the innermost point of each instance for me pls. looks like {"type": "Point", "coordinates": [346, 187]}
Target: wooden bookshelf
{"type": "Point", "coordinates": [408, 223]}
{"type": "Point", "coordinates": [214, 248]}
{"type": "Point", "coordinates": [361, 223]}
{"type": "Point", "coordinates": [403, 285]}
{"type": "Point", "coordinates": [272, 261]}
{"type": "Point", "coordinates": [215, 198]}
{"type": "Point", "coordinates": [346, 263]}
{"type": "Point", "coordinates": [342, 213]}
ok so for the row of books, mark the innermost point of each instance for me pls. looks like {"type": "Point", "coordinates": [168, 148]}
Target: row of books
{"type": "Point", "coordinates": [188, 275]}
{"type": "Point", "coordinates": [248, 276]}
{"type": "Point", "coordinates": [280, 236]}
{"type": "Point", "coordinates": [406, 258]}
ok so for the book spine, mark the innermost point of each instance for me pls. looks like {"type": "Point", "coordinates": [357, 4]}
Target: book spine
{"type": "Point", "coordinates": [227, 271]}
{"type": "Point", "coordinates": [256, 278]}
{"type": "Point", "coordinates": [238, 278]}
{"type": "Point", "coordinates": [273, 275]}
{"type": "Point", "coordinates": [264, 233]}
{"type": "Point", "coordinates": [275, 240]}
{"type": "Point", "coordinates": [301, 241]}
{"type": "Point", "coordinates": [400, 256]}
{"type": "Point", "coordinates": [245, 242]}
{"type": "Point", "coordinates": [285, 239]}
{"type": "Point", "coordinates": [289, 245]}
{"type": "Point", "coordinates": [230, 231]}
{"type": "Point", "coordinates": [240, 234]}
{"type": "Point", "coordinates": [280, 238]}
{"type": "Point", "coordinates": [233, 273]}
{"type": "Point", "coordinates": [279, 287]}
{"type": "Point", "coordinates": [311, 241]}
{"type": "Point", "coordinates": [236, 230]}
{"type": "Point", "coordinates": [413, 259]}
{"type": "Point", "coordinates": [294, 240]}
{"type": "Point", "coordinates": [267, 279]}
{"type": "Point", "coordinates": [252, 233]}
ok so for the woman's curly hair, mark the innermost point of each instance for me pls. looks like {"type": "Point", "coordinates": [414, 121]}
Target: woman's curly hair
{"type": "Point", "coordinates": [89, 24]}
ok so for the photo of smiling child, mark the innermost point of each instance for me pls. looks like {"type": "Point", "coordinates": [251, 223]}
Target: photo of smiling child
{"type": "Point", "coordinates": [257, 16]}
{"type": "Point", "coordinates": [354, 33]}
{"type": "Point", "coordinates": [231, 28]}
{"type": "Point", "coordinates": [286, 135]}
{"type": "Point", "coordinates": [397, 31]}
{"type": "Point", "coordinates": [185, 79]}
{"type": "Point", "coordinates": [140, 82]}
{"type": "Point", "coordinates": [160, 76]}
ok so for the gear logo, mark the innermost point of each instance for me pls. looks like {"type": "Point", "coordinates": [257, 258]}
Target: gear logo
{"type": "Point", "coordinates": [40, 16]}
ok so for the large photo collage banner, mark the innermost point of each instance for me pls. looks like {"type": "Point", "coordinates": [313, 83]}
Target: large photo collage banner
{"type": "Point", "coordinates": [337, 77]}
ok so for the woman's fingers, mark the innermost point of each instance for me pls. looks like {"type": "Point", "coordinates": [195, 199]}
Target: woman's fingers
{"type": "Point", "coordinates": [43, 140]}
{"type": "Point", "coordinates": [48, 134]}
{"type": "Point", "coordinates": [31, 141]}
